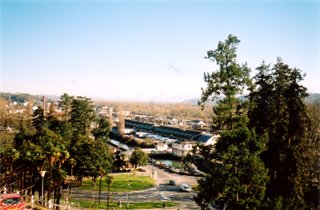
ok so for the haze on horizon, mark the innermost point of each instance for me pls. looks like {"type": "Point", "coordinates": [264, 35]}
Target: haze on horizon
{"type": "Point", "coordinates": [147, 50]}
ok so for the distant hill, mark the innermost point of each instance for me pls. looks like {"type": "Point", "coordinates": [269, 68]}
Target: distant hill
{"type": "Point", "coordinates": [313, 98]}
{"type": "Point", "coordinates": [21, 97]}
{"type": "Point", "coordinates": [193, 101]}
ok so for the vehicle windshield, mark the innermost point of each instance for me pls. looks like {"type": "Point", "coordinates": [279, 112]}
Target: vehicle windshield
{"type": "Point", "coordinates": [12, 201]}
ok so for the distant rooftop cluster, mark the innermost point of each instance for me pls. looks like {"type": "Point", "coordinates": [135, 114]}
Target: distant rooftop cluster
{"type": "Point", "coordinates": [168, 139]}
{"type": "Point", "coordinates": [168, 131]}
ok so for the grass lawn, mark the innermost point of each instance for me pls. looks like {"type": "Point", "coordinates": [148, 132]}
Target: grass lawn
{"type": "Point", "coordinates": [177, 164]}
{"type": "Point", "coordinates": [121, 183]}
{"type": "Point", "coordinates": [136, 205]}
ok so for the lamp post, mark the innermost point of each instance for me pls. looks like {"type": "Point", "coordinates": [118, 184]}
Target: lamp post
{"type": "Point", "coordinates": [42, 173]}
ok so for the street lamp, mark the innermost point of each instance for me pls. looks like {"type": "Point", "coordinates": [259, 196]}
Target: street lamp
{"type": "Point", "coordinates": [42, 173]}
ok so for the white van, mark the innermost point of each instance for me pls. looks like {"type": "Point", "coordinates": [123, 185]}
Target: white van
{"type": "Point", "coordinates": [185, 188]}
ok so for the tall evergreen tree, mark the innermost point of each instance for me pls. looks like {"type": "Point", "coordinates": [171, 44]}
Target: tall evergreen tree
{"type": "Point", "coordinates": [65, 105]}
{"type": "Point", "coordinates": [262, 97]}
{"type": "Point", "coordinates": [278, 110]}
{"type": "Point", "coordinates": [82, 114]}
{"type": "Point", "coordinates": [225, 84]}
{"type": "Point", "coordinates": [103, 129]}
{"type": "Point", "coordinates": [38, 120]}
{"type": "Point", "coordinates": [238, 176]}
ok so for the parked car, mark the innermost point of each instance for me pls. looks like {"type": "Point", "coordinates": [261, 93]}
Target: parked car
{"type": "Point", "coordinates": [11, 201]}
{"type": "Point", "coordinates": [185, 188]}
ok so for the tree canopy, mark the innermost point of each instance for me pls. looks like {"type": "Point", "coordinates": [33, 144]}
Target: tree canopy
{"type": "Point", "coordinates": [138, 158]}
{"type": "Point", "coordinates": [225, 84]}
{"type": "Point", "coordinates": [50, 141]}
{"type": "Point", "coordinates": [279, 111]}
{"type": "Point", "coordinates": [81, 114]}
{"type": "Point", "coordinates": [237, 177]}
{"type": "Point", "coordinates": [265, 157]}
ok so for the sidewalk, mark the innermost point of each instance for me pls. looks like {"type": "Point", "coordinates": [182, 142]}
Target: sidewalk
{"type": "Point", "coordinates": [179, 207]}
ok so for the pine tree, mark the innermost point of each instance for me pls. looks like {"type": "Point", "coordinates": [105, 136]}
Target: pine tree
{"type": "Point", "coordinates": [238, 176]}
{"type": "Point", "coordinates": [103, 129]}
{"type": "Point", "coordinates": [38, 120]}
{"type": "Point", "coordinates": [81, 114]}
{"type": "Point", "coordinates": [65, 105]}
{"type": "Point", "coordinates": [225, 84]}
{"type": "Point", "coordinates": [278, 110]}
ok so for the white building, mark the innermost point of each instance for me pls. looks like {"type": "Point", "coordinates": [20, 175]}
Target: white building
{"type": "Point", "coordinates": [160, 146]}
{"type": "Point", "coordinates": [182, 149]}
{"type": "Point", "coordinates": [207, 139]}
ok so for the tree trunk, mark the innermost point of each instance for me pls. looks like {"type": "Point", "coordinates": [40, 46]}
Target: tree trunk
{"type": "Point", "coordinates": [94, 181]}
{"type": "Point", "coordinates": [50, 178]}
{"type": "Point", "coordinates": [99, 190]}
{"type": "Point", "coordinates": [58, 194]}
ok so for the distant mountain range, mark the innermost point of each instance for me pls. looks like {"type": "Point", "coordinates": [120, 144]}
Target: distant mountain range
{"type": "Point", "coordinates": [313, 98]}
{"type": "Point", "coordinates": [21, 97]}
{"type": "Point", "coordinates": [192, 101]}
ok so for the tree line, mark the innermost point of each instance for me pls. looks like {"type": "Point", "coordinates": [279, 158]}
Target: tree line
{"type": "Point", "coordinates": [267, 156]}
{"type": "Point", "coordinates": [180, 111]}
{"type": "Point", "coordinates": [73, 143]}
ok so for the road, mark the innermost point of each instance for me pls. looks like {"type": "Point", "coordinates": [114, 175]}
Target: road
{"type": "Point", "coordinates": [161, 192]}
{"type": "Point", "coordinates": [163, 177]}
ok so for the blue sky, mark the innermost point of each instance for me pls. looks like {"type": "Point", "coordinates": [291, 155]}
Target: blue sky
{"type": "Point", "coordinates": [147, 50]}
